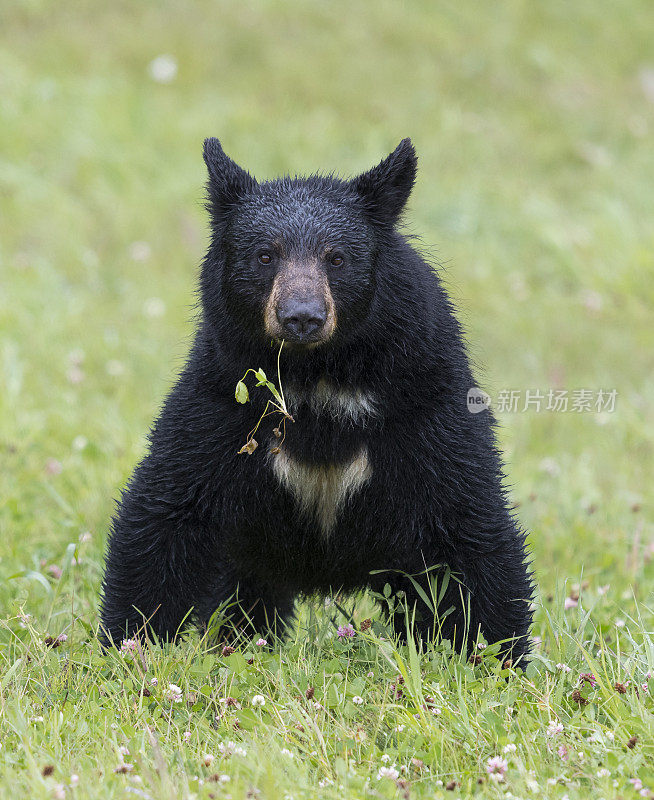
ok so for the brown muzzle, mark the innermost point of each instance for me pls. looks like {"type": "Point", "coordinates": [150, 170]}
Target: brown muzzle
{"type": "Point", "coordinates": [300, 308]}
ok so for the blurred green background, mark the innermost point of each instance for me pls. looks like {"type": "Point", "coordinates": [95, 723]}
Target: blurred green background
{"type": "Point", "coordinates": [534, 125]}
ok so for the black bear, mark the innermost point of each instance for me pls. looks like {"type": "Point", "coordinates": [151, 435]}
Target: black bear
{"type": "Point", "coordinates": [383, 472]}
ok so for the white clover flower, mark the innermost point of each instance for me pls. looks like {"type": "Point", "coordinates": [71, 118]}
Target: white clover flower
{"type": "Point", "coordinates": [287, 752]}
{"type": "Point", "coordinates": [207, 759]}
{"type": "Point", "coordinates": [79, 442]}
{"type": "Point", "coordinates": [387, 772]}
{"type": "Point", "coordinates": [385, 758]}
{"type": "Point", "coordinates": [115, 368]}
{"type": "Point", "coordinates": [173, 693]}
{"type": "Point", "coordinates": [554, 728]}
{"type": "Point", "coordinates": [509, 748]}
{"type": "Point", "coordinates": [603, 773]}
{"type": "Point", "coordinates": [224, 779]}
{"type": "Point", "coordinates": [140, 251]}
{"type": "Point", "coordinates": [358, 701]}
{"type": "Point", "coordinates": [154, 307]}
{"type": "Point", "coordinates": [231, 749]}
{"type": "Point", "coordinates": [163, 69]}
{"type": "Point", "coordinates": [563, 667]}
{"type": "Point", "coordinates": [128, 646]}
{"type": "Point", "coordinates": [154, 682]}
{"type": "Point", "coordinates": [258, 700]}
{"type": "Point", "coordinates": [496, 768]}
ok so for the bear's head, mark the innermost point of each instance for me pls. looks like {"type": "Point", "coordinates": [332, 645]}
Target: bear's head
{"type": "Point", "coordinates": [294, 259]}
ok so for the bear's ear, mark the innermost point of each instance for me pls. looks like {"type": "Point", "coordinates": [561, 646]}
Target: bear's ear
{"type": "Point", "coordinates": [385, 188]}
{"type": "Point", "coordinates": [228, 182]}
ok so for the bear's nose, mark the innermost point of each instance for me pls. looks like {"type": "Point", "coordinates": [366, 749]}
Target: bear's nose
{"type": "Point", "coordinates": [300, 320]}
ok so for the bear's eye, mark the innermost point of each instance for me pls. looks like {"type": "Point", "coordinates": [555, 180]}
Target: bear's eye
{"type": "Point", "coordinates": [337, 260]}
{"type": "Point", "coordinates": [265, 257]}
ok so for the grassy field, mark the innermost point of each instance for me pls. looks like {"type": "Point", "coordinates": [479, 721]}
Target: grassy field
{"type": "Point", "coordinates": [534, 124]}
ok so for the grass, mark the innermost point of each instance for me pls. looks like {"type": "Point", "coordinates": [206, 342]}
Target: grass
{"type": "Point", "coordinates": [534, 130]}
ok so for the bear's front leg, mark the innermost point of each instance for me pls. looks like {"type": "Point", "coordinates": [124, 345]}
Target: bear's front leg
{"type": "Point", "coordinates": [250, 606]}
{"type": "Point", "coordinates": [487, 589]}
{"type": "Point", "coordinates": [158, 566]}
{"type": "Point", "coordinates": [498, 584]}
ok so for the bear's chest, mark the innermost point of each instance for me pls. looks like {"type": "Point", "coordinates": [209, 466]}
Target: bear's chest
{"type": "Point", "coordinates": [325, 460]}
{"type": "Point", "coordinates": [320, 490]}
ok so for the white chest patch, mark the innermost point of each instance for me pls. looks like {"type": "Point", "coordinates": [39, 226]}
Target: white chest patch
{"type": "Point", "coordinates": [339, 403]}
{"type": "Point", "coordinates": [321, 491]}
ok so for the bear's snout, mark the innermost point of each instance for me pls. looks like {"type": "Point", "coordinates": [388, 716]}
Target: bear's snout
{"type": "Point", "coordinates": [300, 307]}
{"type": "Point", "coordinates": [302, 319]}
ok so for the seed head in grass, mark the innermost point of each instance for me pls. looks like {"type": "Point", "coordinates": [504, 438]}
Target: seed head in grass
{"type": "Point", "coordinates": [589, 678]}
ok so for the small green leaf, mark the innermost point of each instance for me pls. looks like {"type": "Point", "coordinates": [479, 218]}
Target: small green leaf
{"type": "Point", "coordinates": [260, 375]}
{"type": "Point", "coordinates": [274, 392]}
{"type": "Point", "coordinates": [242, 395]}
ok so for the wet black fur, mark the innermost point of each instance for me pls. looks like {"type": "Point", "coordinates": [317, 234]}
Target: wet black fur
{"type": "Point", "coordinates": [198, 523]}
